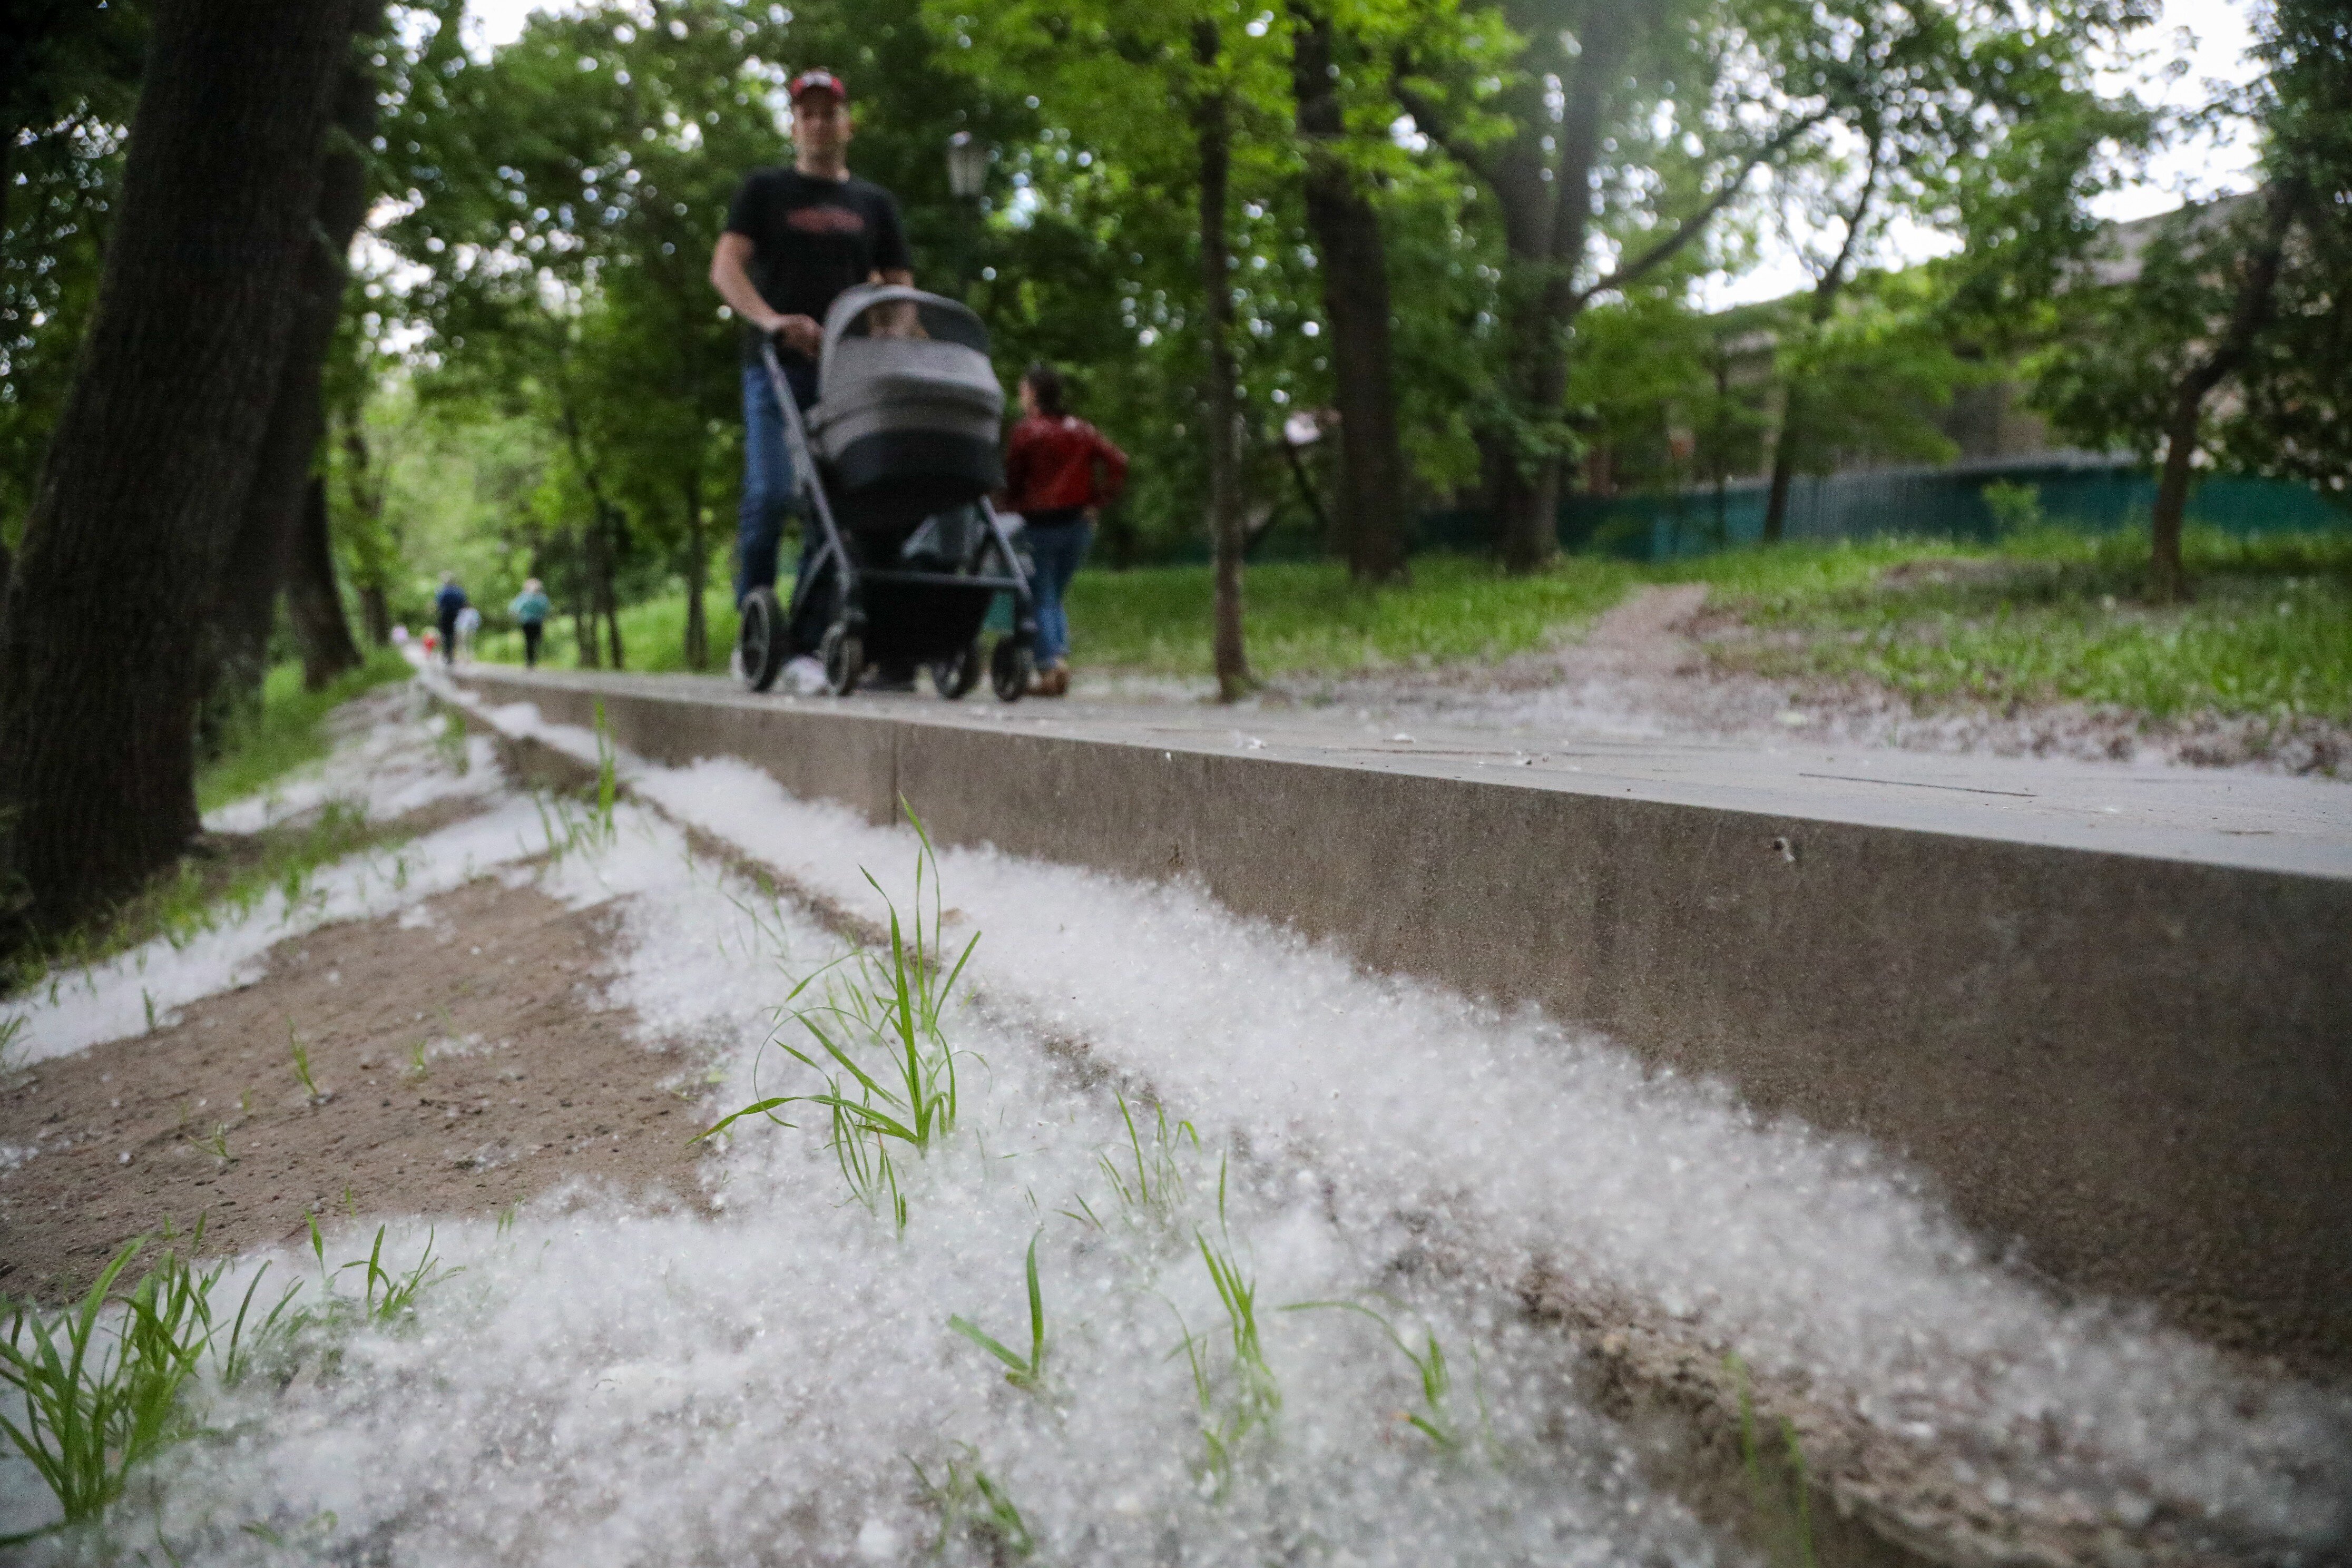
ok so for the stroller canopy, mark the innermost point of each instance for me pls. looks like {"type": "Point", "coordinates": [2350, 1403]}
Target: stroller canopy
{"type": "Point", "coordinates": [908, 406]}
{"type": "Point", "coordinates": [916, 317]}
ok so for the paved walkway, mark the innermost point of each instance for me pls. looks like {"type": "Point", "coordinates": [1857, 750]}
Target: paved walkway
{"type": "Point", "coordinates": [2217, 816]}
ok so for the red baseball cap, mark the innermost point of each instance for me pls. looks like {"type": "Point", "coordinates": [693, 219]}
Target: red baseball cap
{"type": "Point", "coordinates": [820, 81]}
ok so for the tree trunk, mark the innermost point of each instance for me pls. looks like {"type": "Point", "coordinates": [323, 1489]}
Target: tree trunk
{"type": "Point", "coordinates": [321, 632]}
{"type": "Point", "coordinates": [233, 643]}
{"type": "Point", "coordinates": [1546, 203]}
{"type": "Point", "coordinates": [1824, 304]}
{"type": "Point", "coordinates": [1784, 463]}
{"type": "Point", "coordinates": [1372, 523]}
{"type": "Point", "coordinates": [697, 568]}
{"type": "Point", "coordinates": [607, 548]}
{"type": "Point", "coordinates": [268, 535]}
{"type": "Point", "coordinates": [155, 452]}
{"type": "Point", "coordinates": [1531, 520]}
{"type": "Point", "coordinates": [2167, 580]}
{"type": "Point", "coordinates": [602, 611]}
{"type": "Point", "coordinates": [1213, 129]}
{"type": "Point", "coordinates": [375, 613]}
{"type": "Point", "coordinates": [592, 619]}
{"type": "Point", "coordinates": [366, 495]}
{"type": "Point", "coordinates": [1720, 444]}
{"type": "Point", "coordinates": [602, 545]}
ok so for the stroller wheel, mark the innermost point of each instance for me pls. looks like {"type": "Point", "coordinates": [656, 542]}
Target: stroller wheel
{"type": "Point", "coordinates": [1010, 667]}
{"type": "Point", "coordinates": [955, 678]}
{"type": "Point", "coordinates": [844, 659]}
{"type": "Point", "coordinates": [764, 642]}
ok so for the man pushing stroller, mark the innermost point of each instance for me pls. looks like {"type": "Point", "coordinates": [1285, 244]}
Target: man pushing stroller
{"type": "Point", "coordinates": [795, 239]}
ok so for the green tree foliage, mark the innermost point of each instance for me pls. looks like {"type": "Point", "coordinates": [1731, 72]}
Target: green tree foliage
{"type": "Point", "coordinates": [566, 194]}
{"type": "Point", "coordinates": [68, 78]}
{"type": "Point", "coordinates": [1604, 152]}
{"type": "Point", "coordinates": [1909, 92]}
{"type": "Point", "coordinates": [2295, 421]}
{"type": "Point", "coordinates": [534, 374]}
{"type": "Point", "coordinates": [1190, 102]}
{"type": "Point", "coordinates": [2242, 295]}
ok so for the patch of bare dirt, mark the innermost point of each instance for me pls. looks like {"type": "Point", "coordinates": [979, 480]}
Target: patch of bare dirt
{"type": "Point", "coordinates": [527, 1081]}
{"type": "Point", "coordinates": [1947, 573]}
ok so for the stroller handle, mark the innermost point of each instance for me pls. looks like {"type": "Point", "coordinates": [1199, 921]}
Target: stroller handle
{"type": "Point", "coordinates": [796, 444]}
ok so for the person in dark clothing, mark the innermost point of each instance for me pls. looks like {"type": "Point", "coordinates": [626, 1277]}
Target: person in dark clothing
{"type": "Point", "coordinates": [795, 239]}
{"type": "Point", "coordinates": [445, 606]}
{"type": "Point", "coordinates": [1059, 473]}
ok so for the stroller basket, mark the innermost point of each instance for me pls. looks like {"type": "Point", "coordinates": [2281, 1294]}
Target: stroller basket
{"type": "Point", "coordinates": [907, 408]}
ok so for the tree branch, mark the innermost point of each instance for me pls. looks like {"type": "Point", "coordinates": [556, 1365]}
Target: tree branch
{"type": "Point", "coordinates": [1830, 281]}
{"type": "Point", "coordinates": [1433, 124]}
{"type": "Point", "coordinates": [1691, 226]}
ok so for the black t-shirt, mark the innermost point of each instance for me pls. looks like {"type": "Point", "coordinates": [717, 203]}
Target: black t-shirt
{"type": "Point", "coordinates": [812, 238]}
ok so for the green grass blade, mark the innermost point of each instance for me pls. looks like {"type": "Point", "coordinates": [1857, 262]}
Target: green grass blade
{"type": "Point", "coordinates": [724, 1123]}
{"type": "Point", "coordinates": [980, 1337]}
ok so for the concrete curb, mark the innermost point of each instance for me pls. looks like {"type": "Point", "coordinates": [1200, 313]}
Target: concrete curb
{"type": "Point", "coordinates": [2137, 1071]}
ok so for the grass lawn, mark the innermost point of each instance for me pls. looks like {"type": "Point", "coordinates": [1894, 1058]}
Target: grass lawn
{"type": "Point", "coordinates": [1311, 619]}
{"type": "Point", "coordinates": [2056, 616]}
{"type": "Point", "coordinates": [653, 635]}
{"type": "Point", "coordinates": [288, 732]}
{"type": "Point", "coordinates": [1155, 619]}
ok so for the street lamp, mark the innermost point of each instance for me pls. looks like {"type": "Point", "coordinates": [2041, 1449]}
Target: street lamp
{"type": "Point", "coordinates": [967, 177]}
{"type": "Point", "coordinates": [967, 166]}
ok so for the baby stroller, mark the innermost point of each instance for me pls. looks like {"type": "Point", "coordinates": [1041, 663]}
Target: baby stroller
{"type": "Point", "coordinates": [896, 461]}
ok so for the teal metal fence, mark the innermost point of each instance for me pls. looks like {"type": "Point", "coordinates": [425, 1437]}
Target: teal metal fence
{"type": "Point", "coordinates": [2093, 495]}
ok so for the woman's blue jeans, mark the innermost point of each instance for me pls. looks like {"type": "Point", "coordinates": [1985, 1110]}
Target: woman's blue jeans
{"type": "Point", "coordinates": [1057, 550]}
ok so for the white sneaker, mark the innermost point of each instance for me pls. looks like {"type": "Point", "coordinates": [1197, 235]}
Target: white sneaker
{"type": "Point", "coordinates": [735, 663]}
{"type": "Point", "coordinates": [804, 677]}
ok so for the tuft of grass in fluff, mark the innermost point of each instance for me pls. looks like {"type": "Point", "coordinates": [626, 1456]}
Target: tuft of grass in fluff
{"type": "Point", "coordinates": [974, 1503]}
{"type": "Point", "coordinates": [1025, 1372]}
{"type": "Point", "coordinates": [1245, 1398]}
{"type": "Point", "coordinates": [1435, 1422]}
{"type": "Point", "coordinates": [101, 1384]}
{"type": "Point", "coordinates": [886, 1006]}
{"type": "Point", "coordinates": [301, 1055]}
{"type": "Point", "coordinates": [608, 786]}
{"type": "Point", "coordinates": [1782, 1493]}
{"type": "Point", "coordinates": [1150, 1186]}
{"type": "Point", "coordinates": [101, 1396]}
{"type": "Point", "coordinates": [389, 1299]}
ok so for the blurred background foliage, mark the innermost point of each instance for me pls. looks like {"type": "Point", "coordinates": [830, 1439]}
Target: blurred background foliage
{"type": "Point", "coordinates": [534, 376]}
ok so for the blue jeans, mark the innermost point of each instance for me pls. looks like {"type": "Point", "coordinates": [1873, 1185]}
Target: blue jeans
{"type": "Point", "coordinates": [1057, 550]}
{"type": "Point", "coordinates": [768, 490]}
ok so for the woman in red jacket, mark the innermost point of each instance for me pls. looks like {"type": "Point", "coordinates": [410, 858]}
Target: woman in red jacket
{"type": "Point", "coordinates": [1058, 474]}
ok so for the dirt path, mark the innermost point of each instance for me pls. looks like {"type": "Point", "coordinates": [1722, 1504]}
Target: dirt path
{"type": "Point", "coordinates": [1638, 672]}
{"type": "Point", "coordinates": [527, 1081]}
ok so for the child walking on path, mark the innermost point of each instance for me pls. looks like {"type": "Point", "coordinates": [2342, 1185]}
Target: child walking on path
{"type": "Point", "coordinates": [1059, 473]}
